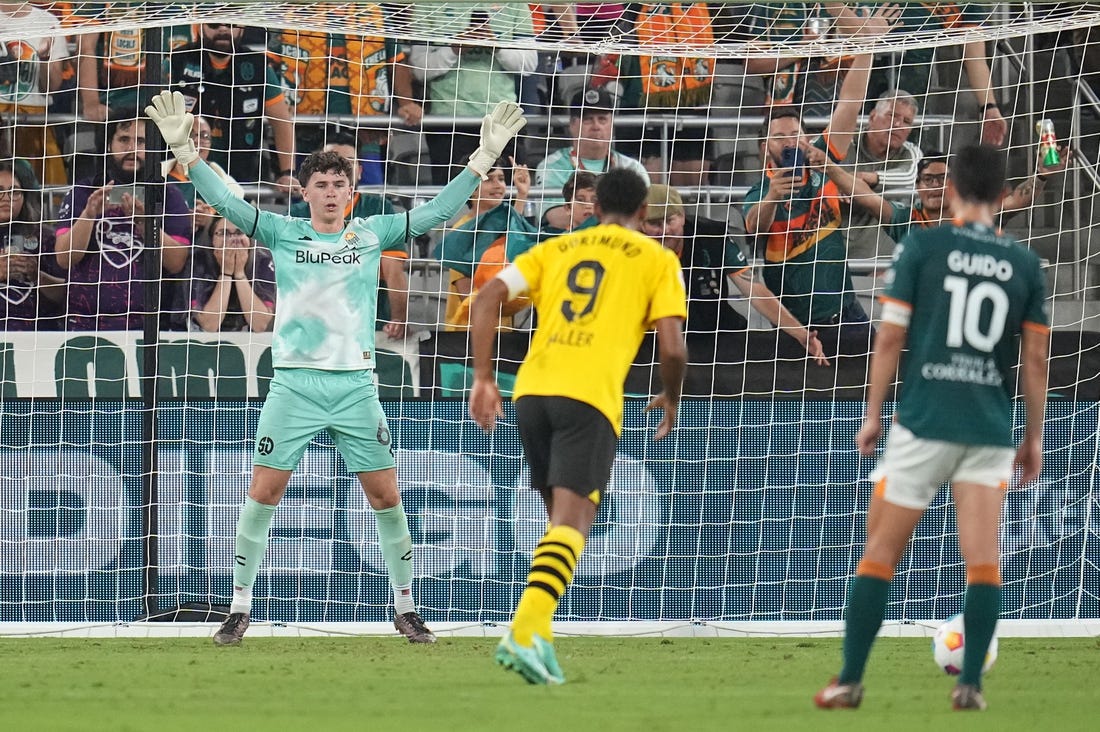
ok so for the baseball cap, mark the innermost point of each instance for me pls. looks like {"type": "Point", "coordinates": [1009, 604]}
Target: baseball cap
{"type": "Point", "coordinates": [591, 100]}
{"type": "Point", "coordinates": [663, 200]}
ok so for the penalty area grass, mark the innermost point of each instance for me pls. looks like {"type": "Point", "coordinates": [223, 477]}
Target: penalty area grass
{"type": "Point", "coordinates": [638, 684]}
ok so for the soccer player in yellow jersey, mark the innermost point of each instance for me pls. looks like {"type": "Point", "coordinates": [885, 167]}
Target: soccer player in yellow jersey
{"type": "Point", "coordinates": [597, 291]}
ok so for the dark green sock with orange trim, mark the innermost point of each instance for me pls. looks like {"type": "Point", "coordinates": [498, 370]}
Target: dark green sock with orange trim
{"type": "Point", "coordinates": [981, 608]}
{"type": "Point", "coordinates": [863, 617]}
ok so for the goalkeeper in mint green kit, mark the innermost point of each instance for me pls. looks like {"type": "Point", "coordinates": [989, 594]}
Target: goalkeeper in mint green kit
{"type": "Point", "coordinates": [326, 273]}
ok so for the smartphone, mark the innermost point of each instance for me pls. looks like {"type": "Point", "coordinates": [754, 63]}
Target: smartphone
{"type": "Point", "coordinates": [794, 159]}
{"type": "Point", "coordinates": [136, 192]}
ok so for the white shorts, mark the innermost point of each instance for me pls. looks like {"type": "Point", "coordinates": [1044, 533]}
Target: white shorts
{"type": "Point", "coordinates": [912, 469]}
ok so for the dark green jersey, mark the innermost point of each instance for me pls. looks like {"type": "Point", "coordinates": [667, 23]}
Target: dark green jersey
{"type": "Point", "coordinates": [806, 251]}
{"type": "Point", "coordinates": [971, 291]}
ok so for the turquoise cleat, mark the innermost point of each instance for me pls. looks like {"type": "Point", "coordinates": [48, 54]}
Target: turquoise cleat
{"type": "Point", "coordinates": [524, 660]}
{"type": "Point", "coordinates": [549, 659]}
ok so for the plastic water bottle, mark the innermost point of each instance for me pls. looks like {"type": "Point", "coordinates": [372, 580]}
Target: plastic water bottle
{"type": "Point", "coordinates": [1048, 142]}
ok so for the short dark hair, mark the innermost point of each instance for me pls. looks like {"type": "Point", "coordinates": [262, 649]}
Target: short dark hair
{"type": "Point", "coordinates": [117, 119]}
{"type": "Point", "coordinates": [579, 181]}
{"type": "Point", "coordinates": [978, 172]}
{"type": "Point", "coordinates": [931, 157]}
{"type": "Point", "coordinates": [324, 162]}
{"type": "Point", "coordinates": [621, 191]}
{"type": "Point", "coordinates": [779, 112]}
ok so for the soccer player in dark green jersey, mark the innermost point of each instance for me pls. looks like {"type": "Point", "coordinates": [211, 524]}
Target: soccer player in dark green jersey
{"type": "Point", "coordinates": [967, 302]}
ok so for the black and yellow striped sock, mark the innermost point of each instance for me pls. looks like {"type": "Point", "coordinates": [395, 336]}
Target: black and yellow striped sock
{"type": "Point", "coordinates": [551, 572]}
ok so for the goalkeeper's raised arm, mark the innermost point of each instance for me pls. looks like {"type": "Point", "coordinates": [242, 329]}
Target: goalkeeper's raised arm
{"type": "Point", "coordinates": [168, 110]}
{"type": "Point", "coordinates": [323, 343]}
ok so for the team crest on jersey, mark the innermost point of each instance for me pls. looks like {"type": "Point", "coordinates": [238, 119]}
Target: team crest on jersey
{"type": "Point", "coordinates": [119, 247]}
{"type": "Point", "coordinates": [351, 241]}
{"type": "Point", "coordinates": [14, 293]}
{"type": "Point", "coordinates": [250, 106]}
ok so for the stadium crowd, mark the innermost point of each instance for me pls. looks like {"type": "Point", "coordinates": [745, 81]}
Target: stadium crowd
{"type": "Point", "coordinates": [74, 245]}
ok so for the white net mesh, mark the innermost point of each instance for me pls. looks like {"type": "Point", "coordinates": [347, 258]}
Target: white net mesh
{"type": "Point", "coordinates": [754, 511]}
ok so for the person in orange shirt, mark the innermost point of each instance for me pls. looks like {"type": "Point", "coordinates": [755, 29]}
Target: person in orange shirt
{"type": "Point", "coordinates": [343, 75]}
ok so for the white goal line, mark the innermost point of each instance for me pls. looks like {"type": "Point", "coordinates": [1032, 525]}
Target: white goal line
{"type": "Point", "coordinates": [639, 629]}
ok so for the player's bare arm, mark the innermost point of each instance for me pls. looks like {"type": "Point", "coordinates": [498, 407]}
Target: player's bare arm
{"type": "Point", "coordinates": [673, 355]}
{"type": "Point", "coordinates": [767, 304]}
{"type": "Point", "coordinates": [1034, 359]}
{"type": "Point", "coordinates": [884, 368]}
{"type": "Point", "coordinates": [485, 405]}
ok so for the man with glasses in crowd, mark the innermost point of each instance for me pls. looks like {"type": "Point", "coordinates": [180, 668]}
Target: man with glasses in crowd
{"type": "Point", "coordinates": [932, 206]}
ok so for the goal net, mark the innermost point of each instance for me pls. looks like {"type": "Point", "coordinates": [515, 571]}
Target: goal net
{"type": "Point", "coordinates": [133, 374]}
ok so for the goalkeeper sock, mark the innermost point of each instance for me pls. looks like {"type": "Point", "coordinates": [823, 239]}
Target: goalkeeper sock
{"type": "Point", "coordinates": [551, 572]}
{"type": "Point", "coordinates": [396, 545]}
{"type": "Point", "coordinates": [251, 545]}
{"type": "Point", "coordinates": [866, 609]}
{"type": "Point", "coordinates": [981, 608]}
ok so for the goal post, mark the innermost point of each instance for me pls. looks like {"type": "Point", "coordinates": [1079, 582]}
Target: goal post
{"type": "Point", "coordinates": [126, 450]}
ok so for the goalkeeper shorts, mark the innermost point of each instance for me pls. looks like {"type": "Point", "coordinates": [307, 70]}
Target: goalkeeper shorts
{"type": "Point", "coordinates": [303, 402]}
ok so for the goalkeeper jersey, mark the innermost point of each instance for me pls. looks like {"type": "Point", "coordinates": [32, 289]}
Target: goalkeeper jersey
{"type": "Point", "coordinates": [327, 284]}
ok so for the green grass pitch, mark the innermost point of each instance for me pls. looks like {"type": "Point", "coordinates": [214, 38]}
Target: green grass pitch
{"type": "Point", "coordinates": [646, 685]}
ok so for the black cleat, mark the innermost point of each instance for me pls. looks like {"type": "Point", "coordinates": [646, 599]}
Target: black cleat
{"type": "Point", "coordinates": [411, 625]}
{"type": "Point", "coordinates": [232, 630]}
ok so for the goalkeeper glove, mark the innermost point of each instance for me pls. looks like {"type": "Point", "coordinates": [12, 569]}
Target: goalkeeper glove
{"type": "Point", "coordinates": [497, 128]}
{"type": "Point", "coordinates": [169, 111]}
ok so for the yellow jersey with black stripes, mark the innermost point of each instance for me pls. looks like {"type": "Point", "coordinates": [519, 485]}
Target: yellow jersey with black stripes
{"type": "Point", "coordinates": [597, 291]}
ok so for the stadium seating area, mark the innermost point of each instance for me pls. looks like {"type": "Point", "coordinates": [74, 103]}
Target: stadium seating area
{"type": "Point", "coordinates": [396, 160]}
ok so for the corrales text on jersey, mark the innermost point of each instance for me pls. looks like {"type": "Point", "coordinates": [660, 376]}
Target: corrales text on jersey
{"type": "Point", "coordinates": [966, 369]}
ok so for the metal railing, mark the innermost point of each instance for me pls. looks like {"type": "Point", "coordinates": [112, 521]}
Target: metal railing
{"type": "Point", "coordinates": [666, 122]}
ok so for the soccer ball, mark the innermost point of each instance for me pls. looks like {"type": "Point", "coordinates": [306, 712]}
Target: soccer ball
{"type": "Point", "coordinates": [948, 643]}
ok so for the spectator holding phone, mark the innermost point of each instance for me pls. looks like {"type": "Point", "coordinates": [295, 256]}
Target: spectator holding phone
{"type": "Point", "coordinates": [492, 233]}
{"type": "Point", "coordinates": [795, 211]}
{"type": "Point", "coordinates": [99, 239]}
{"type": "Point", "coordinates": [31, 297]}
{"type": "Point", "coordinates": [234, 282]}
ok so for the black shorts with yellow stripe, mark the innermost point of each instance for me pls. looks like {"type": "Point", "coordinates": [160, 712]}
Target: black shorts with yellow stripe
{"type": "Point", "coordinates": [567, 443]}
